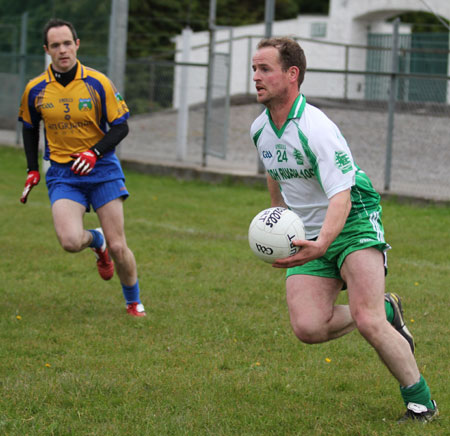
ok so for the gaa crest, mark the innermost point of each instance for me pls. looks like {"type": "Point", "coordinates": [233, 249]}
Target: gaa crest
{"type": "Point", "coordinates": [84, 104]}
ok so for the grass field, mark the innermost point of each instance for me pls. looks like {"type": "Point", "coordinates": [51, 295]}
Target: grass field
{"type": "Point", "coordinates": [215, 355]}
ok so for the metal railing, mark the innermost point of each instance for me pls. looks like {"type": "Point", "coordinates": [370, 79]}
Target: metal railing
{"type": "Point", "coordinates": [360, 101]}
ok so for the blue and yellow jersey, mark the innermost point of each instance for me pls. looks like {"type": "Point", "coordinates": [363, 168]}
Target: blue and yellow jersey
{"type": "Point", "coordinates": [76, 116]}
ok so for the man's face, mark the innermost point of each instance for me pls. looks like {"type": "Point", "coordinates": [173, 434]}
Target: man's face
{"type": "Point", "coordinates": [271, 81]}
{"type": "Point", "coordinates": [62, 48]}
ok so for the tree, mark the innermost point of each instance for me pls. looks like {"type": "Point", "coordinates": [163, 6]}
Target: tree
{"type": "Point", "coordinates": [423, 22]}
{"type": "Point", "coordinates": [153, 23]}
{"type": "Point", "coordinates": [91, 19]}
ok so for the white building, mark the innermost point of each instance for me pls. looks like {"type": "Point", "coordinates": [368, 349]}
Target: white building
{"type": "Point", "coordinates": [335, 41]}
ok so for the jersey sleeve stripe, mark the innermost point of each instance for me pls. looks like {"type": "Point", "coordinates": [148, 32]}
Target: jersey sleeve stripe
{"type": "Point", "coordinates": [257, 135]}
{"type": "Point", "coordinates": [121, 119]}
{"type": "Point", "coordinates": [35, 93]}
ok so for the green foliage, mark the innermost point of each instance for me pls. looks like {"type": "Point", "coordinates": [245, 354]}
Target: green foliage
{"type": "Point", "coordinates": [91, 19]}
{"type": "Point", "coordinates": [241, 12]}
{"type": "Point", "coordinates": [423, 22]}
{"type": "Point", "coordinates": [152, 24]}
{"type": "Point", "coordinates": [215, 355]}
{"type": "Point", "coordinates": [315, 7]}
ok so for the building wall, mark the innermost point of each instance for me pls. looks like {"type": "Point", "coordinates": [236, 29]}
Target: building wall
{"type": "Point", "coordinates": [348, 22]}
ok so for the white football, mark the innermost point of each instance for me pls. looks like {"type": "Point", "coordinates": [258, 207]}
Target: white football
{"type": "Point", "coordinates": [272, 231]}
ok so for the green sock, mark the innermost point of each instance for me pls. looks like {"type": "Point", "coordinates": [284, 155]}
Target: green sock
{"type": "Point", "coordinates": [418, 393]}
{"type": "Point", "coordinates": [389, 311]}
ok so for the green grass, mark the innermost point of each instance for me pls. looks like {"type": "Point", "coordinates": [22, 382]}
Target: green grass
{"type": "Point", "coordinates": [215, 355]}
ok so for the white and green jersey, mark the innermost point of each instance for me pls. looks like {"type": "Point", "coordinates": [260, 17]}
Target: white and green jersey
{"type": "Point", "coordinates": [311, 161]}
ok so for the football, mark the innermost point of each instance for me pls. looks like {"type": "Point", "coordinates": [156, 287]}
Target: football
{"type": "Point", "coordinates": [272, 231]}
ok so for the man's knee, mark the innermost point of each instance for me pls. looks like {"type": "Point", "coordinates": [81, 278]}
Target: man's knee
{"type": "Point", "coordinates": [70, 242]}
{"type": "Point", "coordinates": [307, 332]}
{"type": "Point", "coordinates": [369, 324]}
{"type": "Point", "coordinates": [117, 250]}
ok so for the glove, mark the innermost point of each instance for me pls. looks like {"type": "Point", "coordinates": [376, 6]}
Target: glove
{"type": "Point", "coordinates": [32, 180]}
{"type": "Point", "coordinates": [84, 162]}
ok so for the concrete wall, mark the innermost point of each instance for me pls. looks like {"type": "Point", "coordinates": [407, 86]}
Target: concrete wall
{"type": "Point", "coordinates": [9, 101]}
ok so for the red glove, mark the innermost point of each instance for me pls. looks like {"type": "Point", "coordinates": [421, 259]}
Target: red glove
{"type": "Point", "coordinates": [84, 162]}
{"type": "Point", "coordinates": [32, 180]}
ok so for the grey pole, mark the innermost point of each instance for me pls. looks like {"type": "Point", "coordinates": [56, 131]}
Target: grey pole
{"type": "Point", "coordinates": [117, 45]}
{"type": "Point", "coordinates": [22, 63]}
{"type": "Point", "coordinates": [112, 41]}
{"type": "Point", "coordinates": [249, 65]}
{"type": "Point", "coordinates": [183, 104]}
{"type": "Point", "coordinates": [392, 98]}
{"type": "Point", "coordinates": [269, 16]}
{"type": "Point", "coordinates": [347, 48]}
{"type": "Point", "coordinates": [208, 107]}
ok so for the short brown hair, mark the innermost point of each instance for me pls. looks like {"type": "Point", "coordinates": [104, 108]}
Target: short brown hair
{"type": "Point", "coordinates": [291, 54]}
{"type": "Point", "coordinates": [57, 22]}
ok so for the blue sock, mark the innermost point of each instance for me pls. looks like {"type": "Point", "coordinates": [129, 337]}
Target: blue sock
{"type": "Point", "coordinates": [131, 293]}
{"type": "Point", "coordinates": [97, 239]}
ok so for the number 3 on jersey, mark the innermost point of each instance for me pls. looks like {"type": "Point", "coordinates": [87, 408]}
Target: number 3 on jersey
{"type": "Point", "coordinates": [281, 156]}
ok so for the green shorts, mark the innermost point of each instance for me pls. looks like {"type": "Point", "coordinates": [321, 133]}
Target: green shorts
{"type": "Point", "coordinates": [358, 233]}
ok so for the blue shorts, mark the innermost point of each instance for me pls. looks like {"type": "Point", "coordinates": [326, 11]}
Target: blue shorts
{"type": "Point", "coordinates": [96, 189]}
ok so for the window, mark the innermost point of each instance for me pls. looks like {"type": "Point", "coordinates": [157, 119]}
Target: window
{"type": "Point", "coordinates": [318, 30]}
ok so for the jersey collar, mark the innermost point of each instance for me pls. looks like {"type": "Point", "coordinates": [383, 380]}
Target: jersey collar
{"type": "Point", "coordinates": [81, 73]}
{"type": "Point", "coordinates": [298, 107]}
{"type": "Point", "coordinates": [296, 112]}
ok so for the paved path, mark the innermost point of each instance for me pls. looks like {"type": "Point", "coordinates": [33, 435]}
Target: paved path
{"type": "Point", "coordinates": [420, 158]}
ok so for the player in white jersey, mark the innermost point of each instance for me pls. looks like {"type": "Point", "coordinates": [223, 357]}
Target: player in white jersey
{"type": "Point", "coordinates": [310, 169]}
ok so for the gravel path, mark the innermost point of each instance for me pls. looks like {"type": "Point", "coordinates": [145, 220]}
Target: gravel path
{"type": "Point", "coordinates": [420, 159]}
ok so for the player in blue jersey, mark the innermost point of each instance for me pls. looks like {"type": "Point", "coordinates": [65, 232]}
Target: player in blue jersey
{"type": "Point", "coordinates": [84, 119]}
{"type": "Point", "coordinates": [310, 169]}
